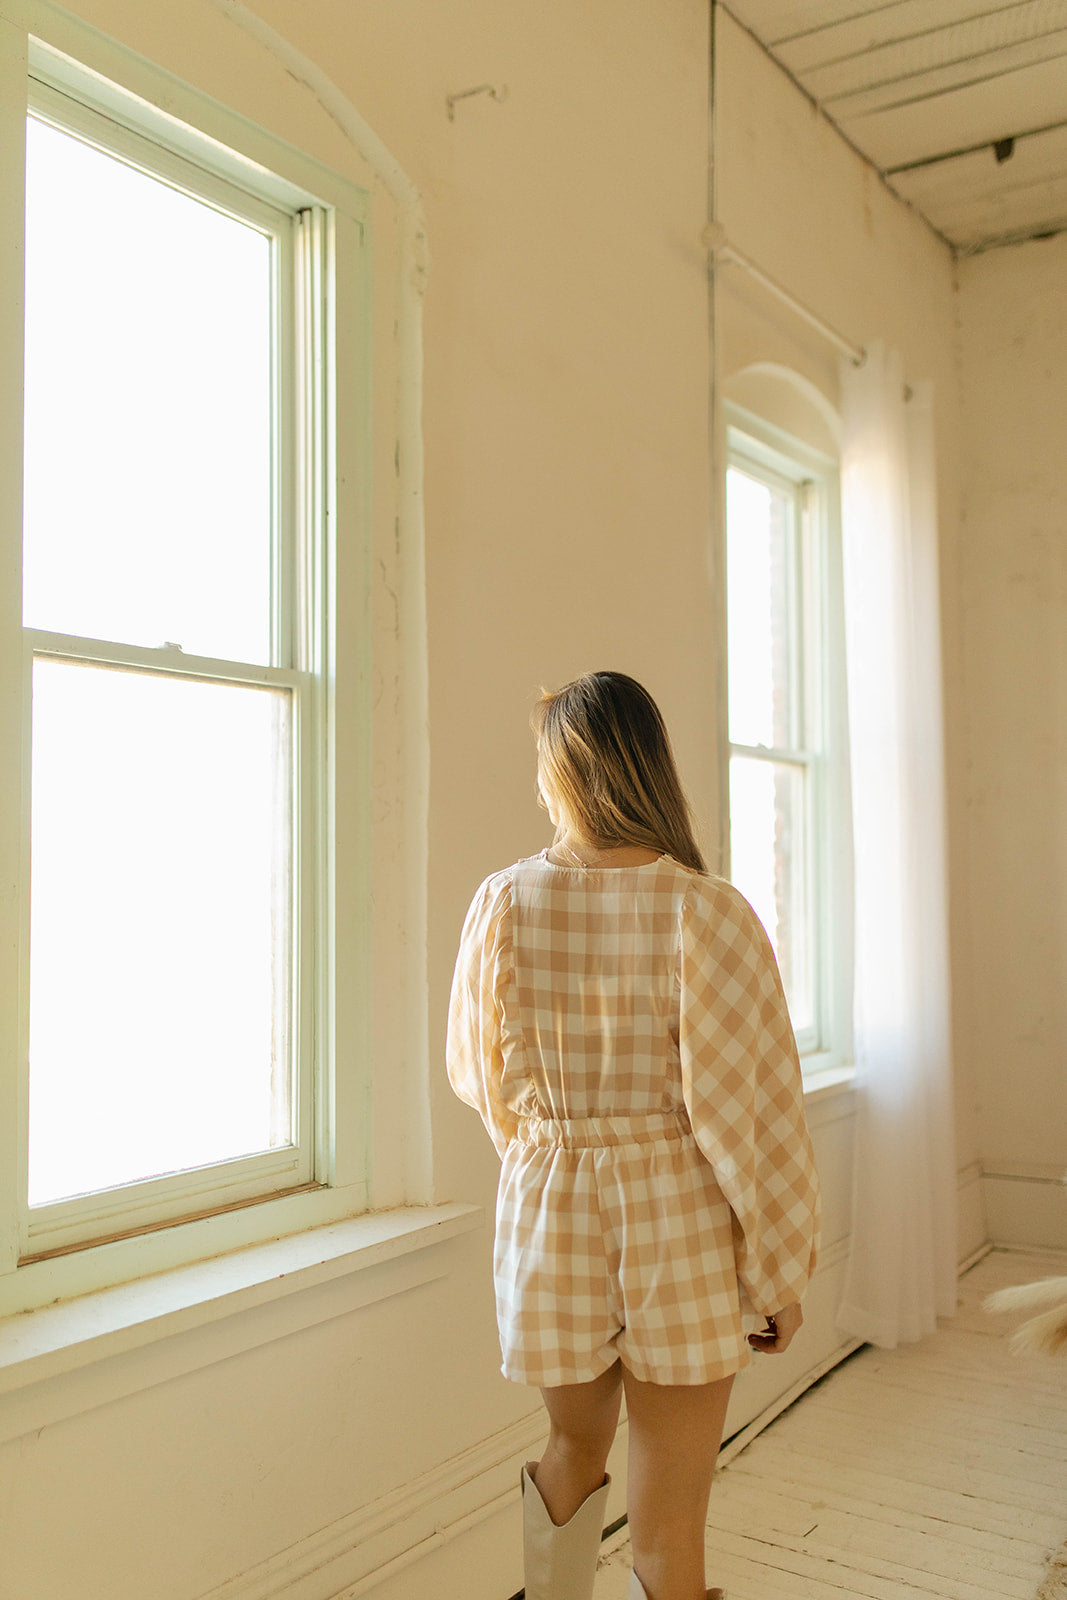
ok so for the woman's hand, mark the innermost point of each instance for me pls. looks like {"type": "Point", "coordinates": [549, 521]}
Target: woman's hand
{"type": "Point", "coordinates": [776, 1336]}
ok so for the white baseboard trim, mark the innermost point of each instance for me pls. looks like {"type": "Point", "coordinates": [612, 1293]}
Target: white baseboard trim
{"type": "Point", "coordinates": [975, 1256]}
{"type": "Point", "coordinates": [1050, 1253]}
{"type": "Point", "coordinates": [733, 1447]}
{"type": "Point", "coordinates": [359, 1551]}
{"type": "Point", "coordinates": [1025, 1206]}
{"type": "Point", "coordinates": [971, 1231]}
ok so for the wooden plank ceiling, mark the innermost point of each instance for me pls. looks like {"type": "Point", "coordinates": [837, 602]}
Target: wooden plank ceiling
{"type": "Point", "coordinates": [960, 104]}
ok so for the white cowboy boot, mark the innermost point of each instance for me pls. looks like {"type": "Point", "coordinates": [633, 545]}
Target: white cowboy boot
{"type": "Point", "coordinates": [560, 1563]}
{"type": "Point", "coordinates": [637, 1591]}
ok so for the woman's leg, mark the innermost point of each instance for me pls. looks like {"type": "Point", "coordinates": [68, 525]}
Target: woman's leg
{"type": "Point", "coordinates": [583, 1418]}
{"type": "Point", "coordinates": [674, 1437]}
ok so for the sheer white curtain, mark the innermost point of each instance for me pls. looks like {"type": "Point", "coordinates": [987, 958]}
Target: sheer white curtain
{"type": "Point", "coordinates": [902, 1267]}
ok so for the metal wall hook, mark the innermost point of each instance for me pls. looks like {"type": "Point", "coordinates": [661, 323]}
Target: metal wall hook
{"type": "Point", "coordinates": [490, 89]}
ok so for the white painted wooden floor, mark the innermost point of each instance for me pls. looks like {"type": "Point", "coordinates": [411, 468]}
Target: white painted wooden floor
{"type": "Point", "coordinates": [933, 1472]}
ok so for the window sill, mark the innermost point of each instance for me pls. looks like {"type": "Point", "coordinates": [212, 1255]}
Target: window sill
{"type": "Point", "coordinates": [63, 1359]}
{"type": "Point", "coordinates": [819, 1086]}
{"type": "Point", "coordinates": [829, 1097]}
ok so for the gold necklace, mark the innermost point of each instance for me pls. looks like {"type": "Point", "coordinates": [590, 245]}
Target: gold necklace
{"type": "Point", "coordinates": [584, 866]}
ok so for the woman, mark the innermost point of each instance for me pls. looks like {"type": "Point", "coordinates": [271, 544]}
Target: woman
{"type": "Point", "coordinates": [618, 1020]}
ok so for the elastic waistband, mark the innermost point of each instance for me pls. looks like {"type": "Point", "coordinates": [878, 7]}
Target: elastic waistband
{"type": "Point", "coordinates": [579, 1133]}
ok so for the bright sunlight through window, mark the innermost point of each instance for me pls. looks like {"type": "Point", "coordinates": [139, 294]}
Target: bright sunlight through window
{"type": "Point", "coordinates": [159, 890]}
{"type": "Point", "coordinates": [148, 409]}
{"type": "Point", "coordinates": [162, 799]}
{"type": "Point", "coordinates": [770, 766]}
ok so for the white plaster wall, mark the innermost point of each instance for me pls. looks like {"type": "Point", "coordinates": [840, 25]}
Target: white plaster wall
{"type": "Point", "coordinates": [1013, 333]}
{"type": "Point", "coordinates": [568, 509]}
{"type": "Point", "coordinates": [795, 199]}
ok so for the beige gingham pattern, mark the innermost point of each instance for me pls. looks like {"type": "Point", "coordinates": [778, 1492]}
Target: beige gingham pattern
{"type": "Point", "coordinates": [624, 1035]}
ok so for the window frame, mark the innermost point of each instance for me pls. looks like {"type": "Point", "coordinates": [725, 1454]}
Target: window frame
{"type": "Point", "coordinates": [769, 454]}
{"type": "Point", "coordinates": [85, 1218]}
{"type": "Point", "coordinates": [79, 1245]}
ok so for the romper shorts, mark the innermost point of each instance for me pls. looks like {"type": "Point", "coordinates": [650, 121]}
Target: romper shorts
{"type": "Point", "coordinates": [614, 1242]}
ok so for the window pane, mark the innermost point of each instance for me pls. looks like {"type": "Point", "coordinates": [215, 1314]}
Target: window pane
{"type": "Point", "coordinates": [768, 863]}
{"type": "Point", "coordinates": [148, 409]}
{"type": "Point", "coordinates": [159, 981]}
{"type": "Point", "coordinates": [762, 645]}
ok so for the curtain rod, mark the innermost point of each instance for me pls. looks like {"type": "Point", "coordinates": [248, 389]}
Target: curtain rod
{"type": "Point", "coordinates": [715, 242]}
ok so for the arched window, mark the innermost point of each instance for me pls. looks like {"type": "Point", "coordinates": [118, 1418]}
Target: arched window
{"type": "Point", "coordinates": [786, 711]}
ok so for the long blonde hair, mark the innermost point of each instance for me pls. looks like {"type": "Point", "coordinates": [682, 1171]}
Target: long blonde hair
{"type": "Point", "coordinates": [604, 753]}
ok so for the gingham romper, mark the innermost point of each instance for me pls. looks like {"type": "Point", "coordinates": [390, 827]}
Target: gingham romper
{"type": "Point", "coordinates": [623, 1033]}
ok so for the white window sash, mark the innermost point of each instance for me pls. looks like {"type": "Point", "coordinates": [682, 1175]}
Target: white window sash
{"type": "Point", "coordinates": [764, 453]}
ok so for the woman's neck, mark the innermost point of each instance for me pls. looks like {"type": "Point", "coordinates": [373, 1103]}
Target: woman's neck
{"type": "Point", "coordinates": [573, 851]}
